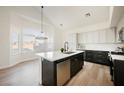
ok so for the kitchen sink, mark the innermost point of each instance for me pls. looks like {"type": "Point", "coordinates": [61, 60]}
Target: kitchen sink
{"type": "Point", "coordinates": [69, 52]}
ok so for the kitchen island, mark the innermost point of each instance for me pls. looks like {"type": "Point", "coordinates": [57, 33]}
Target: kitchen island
{"type": "Point", "coordinates": [58, 68]}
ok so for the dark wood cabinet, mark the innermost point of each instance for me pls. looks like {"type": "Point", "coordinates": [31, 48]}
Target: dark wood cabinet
{"type": "Point", "coordinates": [100, 57]}
{"type": "Point", "coordinates": [89, 56]}
{"type": "Point", "coordinates": [76, 64]}
{"type": "Point", "coordinates": [49, 69]}
{"type": "Point", "coordinates": [48, 73]}
{"type": "Point", "coordinates": [118, 72]}
{"type": "Point", "coordinates": [117, 53]}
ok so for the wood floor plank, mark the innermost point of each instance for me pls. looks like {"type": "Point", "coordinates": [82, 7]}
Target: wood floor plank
{"type": "Point", "coordinates": [23, 74]}
{"type": "Point", "coordinates": [92, 75]}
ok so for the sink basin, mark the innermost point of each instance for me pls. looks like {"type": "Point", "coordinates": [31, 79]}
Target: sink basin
{"type": "Point", "coordinates": [69, 52]}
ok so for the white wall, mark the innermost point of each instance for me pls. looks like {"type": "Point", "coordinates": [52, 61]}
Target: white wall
{"type": "Point", "coordinates": [4, 37]}
{"type": "Point", "coordinates": [56, 33]}
{"type": "Point", "coordinates": [104, 47]}
{"type": "Point", "coordinates": [29, 12]}
{"type": "Point", "coordinates": [58, 40]}
{"type": "Point", "coordinates": [111, 9]}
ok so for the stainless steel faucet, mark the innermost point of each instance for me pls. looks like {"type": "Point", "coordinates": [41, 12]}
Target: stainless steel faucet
{"type": "Point", "coordinates": [66, 46]}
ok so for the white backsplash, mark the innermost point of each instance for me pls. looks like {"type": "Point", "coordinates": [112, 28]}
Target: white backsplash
{"type": "Point", "coordinates": [104, 47]}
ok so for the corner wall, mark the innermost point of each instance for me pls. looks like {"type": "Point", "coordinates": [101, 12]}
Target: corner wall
{"type": "Point", "coordinates": [4, 37]}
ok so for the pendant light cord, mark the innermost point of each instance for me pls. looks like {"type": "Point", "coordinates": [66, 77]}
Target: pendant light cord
{"type": "Point", "coordinates": [41, 19]}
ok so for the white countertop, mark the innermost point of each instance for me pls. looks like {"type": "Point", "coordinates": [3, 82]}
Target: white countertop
{"type": "Point", "coordinates": [117, 57]}
{"type": "Point", "coordinates": [56, 55]}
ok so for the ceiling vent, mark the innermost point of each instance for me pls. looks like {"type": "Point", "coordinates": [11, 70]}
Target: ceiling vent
{"type": "Point", "coordinates": [88, 14]}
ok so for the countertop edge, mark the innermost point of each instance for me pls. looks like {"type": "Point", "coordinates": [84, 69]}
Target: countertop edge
{"type": "Point", "coordinates": [117, 57]}
{"type": "Point", "coordinates": [68, 55]}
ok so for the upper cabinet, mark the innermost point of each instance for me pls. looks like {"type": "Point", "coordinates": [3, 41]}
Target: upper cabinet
{"type": "Point", "coordinates": [95, 36]}
{"type": "Point", "coordinates": [80, 38]}
{"type": "Point", "coordinates": [88, 37]}
{"type": "Point", "coordinates": [103, 36]}
{"type": "Point", "coordinates": [111, 35]}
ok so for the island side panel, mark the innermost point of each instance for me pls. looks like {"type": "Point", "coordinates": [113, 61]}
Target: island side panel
{"type": "Point", "coordinates": [48, 73]}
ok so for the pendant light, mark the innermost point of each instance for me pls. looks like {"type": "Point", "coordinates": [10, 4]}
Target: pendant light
{"type": "Point", "coordinates": [40, 37]}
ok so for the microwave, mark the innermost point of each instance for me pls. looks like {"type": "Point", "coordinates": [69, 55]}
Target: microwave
{"type": "Point", "coordinates": [121, 34]}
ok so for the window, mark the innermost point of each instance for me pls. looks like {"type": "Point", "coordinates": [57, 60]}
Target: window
{"type": "Point", "coordinates": [15, 43]}
{"type": "Point", "coordinates": [28, 38]}
{"type": "Point", "coordinates": [28, 43]}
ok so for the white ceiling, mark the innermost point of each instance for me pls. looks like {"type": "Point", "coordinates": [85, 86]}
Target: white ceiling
{"type": "Point", "coordinates": [74, 16]}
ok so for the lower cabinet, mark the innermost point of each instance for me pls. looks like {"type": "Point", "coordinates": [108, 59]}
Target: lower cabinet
{"type": "Point", "coordinates": [60, 72]}
{"type": "Point", "coordinates": [76, 64]}
{"type": "Point", "coordinates": [89, 55]}
{"type": "Point", "coordinates": [118, 72]}
{"type": "Point", "coordinates": [100, 57]}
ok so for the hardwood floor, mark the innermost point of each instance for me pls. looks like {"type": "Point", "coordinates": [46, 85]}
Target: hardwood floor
{"type": "Point", "coordinates": [23, 74]}
{"type": "Point", "coordinates": [92, 75]}
{"type": "Point", "coordinates": [27, 74]}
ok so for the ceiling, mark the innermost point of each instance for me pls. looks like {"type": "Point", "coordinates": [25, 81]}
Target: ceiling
{"type": "Point", "coordinates": [69, 17]}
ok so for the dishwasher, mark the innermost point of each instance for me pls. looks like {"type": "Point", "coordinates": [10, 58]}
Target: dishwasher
{"type": "Point", "coordinates": [63, 72]}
